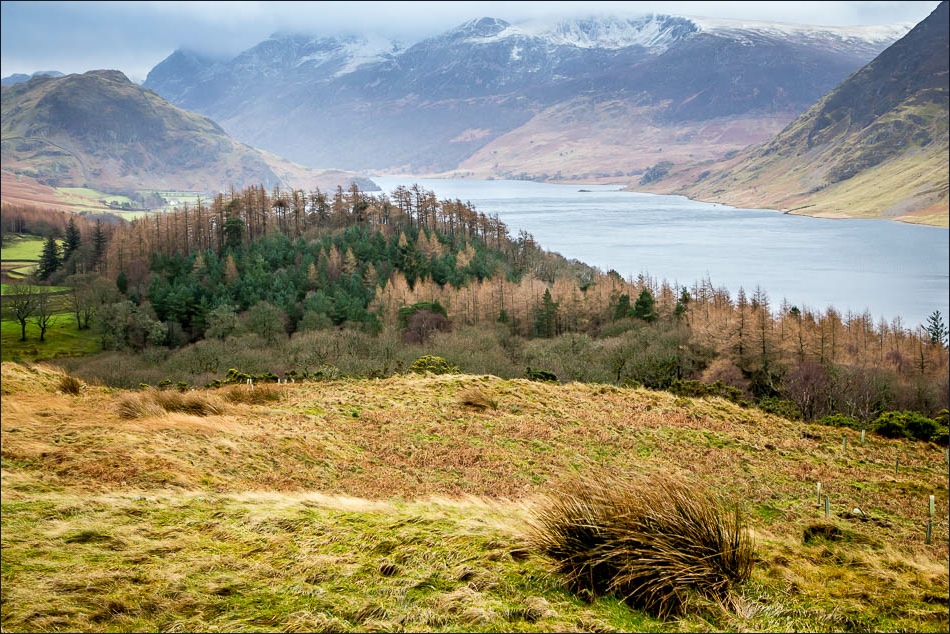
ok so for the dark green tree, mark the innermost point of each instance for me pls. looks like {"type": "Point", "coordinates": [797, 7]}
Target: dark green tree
{"type": "Point", "coordinates": [623, 309]}
{"type": "Point", "coordinates": [644, 308]}
{"type": "Point", "coordinates": [545, 320]}
{"type": "Point", "coordinates": [72, 240]}
{"type": "Point", "coordinates": [99, 242]}
{"type": "Point", "coordinates": [936, 328]}
{"type": "Point", "coordinates": [50, 259]}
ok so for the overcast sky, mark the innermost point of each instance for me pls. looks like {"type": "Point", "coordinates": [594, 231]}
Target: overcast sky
{"type": "Point", "coordinates": [133, 37]}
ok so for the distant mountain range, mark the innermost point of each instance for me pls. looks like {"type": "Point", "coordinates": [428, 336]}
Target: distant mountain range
{"type": "Point", "coordinates": [17, 78]}
{"type": "Point", "coordinates": [100, 130]}
{"type": "Point", "coordinates": [875, 146]}
{"type": "Point", "coordinates": [817, 120]}
{"type": "Point", "coordinates": [583, 98]}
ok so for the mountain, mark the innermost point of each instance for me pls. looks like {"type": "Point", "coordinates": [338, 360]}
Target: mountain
{"type": "Point", "coordinates": [875, 146]}
{"type": "Point", "coordinates": [100, 130]}
{"type": "Point", "coordinates": [17, 78]}
{"type": "Point", "coordinates": [584, 97]}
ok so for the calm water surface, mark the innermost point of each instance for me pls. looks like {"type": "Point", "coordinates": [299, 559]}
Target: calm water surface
{"type": "Point", "coordinates": [887, 268]}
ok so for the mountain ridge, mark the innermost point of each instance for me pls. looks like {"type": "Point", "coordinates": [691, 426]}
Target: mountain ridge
{"type": "Point", "coordinates": [432, 106]}
{"type": "Point", "coordinates": [875, 146]}
{"type": "Point", "coordinates": [100, 130]}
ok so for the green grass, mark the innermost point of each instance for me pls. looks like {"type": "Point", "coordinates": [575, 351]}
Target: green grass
{"type": "Point", "coordinates": [28, 248]}
{"type": "Point", "coordinates": [62, 340]}
{"type": "Point", "coordinates": [281, 563]}
{"type": "Point", "coordinates": [5, 289]}
{"type": "Point", "coordinates": [92, 194]}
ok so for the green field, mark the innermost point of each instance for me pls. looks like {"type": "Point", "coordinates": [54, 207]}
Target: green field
{"type": "Point", "coordinates": [62, 340]}
{"type": "Point", "coordinates": [22, 247]}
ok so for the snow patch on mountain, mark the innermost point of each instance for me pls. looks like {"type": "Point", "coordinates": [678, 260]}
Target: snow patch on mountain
{"type": "Point", "coordinates": [352, 52]}
{"type": "Point", "coordinates": [871, 34]}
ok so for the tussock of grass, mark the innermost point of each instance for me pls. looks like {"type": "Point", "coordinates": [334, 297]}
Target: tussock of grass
{"type": "Point", "coordinates": [158, 403]}
{"type": "Point", "coordinates": [252, 394]}
{"type": "Point", "coordinates": [652, 542]}
{"type": "Point", "coordinates": [476, 397]}
{"type": "Point", "coordinates": [71, 385]}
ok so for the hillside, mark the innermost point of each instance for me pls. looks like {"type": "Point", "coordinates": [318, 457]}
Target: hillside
{"type": "Point", "coordinates": [876, 146]}
{"type": "Point", "coordinates": [101, 131]}
{"type": "Point", "coordinates": [403, 503]}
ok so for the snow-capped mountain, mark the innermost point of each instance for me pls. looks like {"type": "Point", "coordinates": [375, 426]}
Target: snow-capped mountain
{"type": "Point", "coordinates": [356, 103]}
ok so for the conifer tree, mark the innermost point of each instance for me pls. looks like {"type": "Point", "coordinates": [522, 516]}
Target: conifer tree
{"type": "Point", "coordinates": [50, 259]}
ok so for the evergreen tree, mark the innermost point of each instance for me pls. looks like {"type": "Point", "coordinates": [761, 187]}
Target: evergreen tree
{"type": "Point", "coordinates": [72, 240]}
{"type": "Point", "coordinates": [545, 321]}
{"type": "Point", "coordinates": [98, 245]}
{"type": "Point", "coordinates": [644, 307]}
{"type": "Point", "coordinates": [50, 259]}
{"type": "Point", "coordinates": [936, 328]}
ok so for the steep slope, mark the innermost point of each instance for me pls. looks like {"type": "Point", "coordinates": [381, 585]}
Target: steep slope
{"type": "Point", "coordinates": [875, 146]}
{"type": "Point", "coordinates": [100, 130]}
{"type": "Point", "coordinates": [468, 99]}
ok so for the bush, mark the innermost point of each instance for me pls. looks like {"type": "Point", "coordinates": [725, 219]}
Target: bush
{"type": "Point", "coordinates": [905, 425]}
{"type": "Point", "coordinates": [699, 389]}
{"type": "Point", "coordinates": [653, 542]}
{"type": "Point", "coordinates": [840, 420]}
{"type": "Point", "coordinates": [534, 374]}
{"type": "Point", "coordinates": [433, 364]}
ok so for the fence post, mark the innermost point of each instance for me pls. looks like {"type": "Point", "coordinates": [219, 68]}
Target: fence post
{"type": "Point", "coordinates": [819, 494]}
{"type": "Point", "coordinates": [827, 507]}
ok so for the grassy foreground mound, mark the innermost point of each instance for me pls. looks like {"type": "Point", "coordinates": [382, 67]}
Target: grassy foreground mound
{"type": "Point", "coordinates": [408, 504]}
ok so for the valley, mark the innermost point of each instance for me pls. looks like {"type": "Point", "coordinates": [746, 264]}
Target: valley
{"type": "Point", "coordinates": [337, 332]}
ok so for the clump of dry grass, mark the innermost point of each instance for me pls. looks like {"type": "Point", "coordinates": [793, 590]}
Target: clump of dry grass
{"type": "Point", "coordinates": [70, 385]}
{"type": "Point", "coordinates": [654, 542]}
{"type": "Point", "coordinates": [253, 394]}
{"type": "Point", "coordinates": [157, 403]}
{"type": "Point", "coordinates": [475, 397]}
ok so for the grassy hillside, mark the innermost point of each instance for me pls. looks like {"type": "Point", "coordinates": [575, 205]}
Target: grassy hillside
{"type": "Point", "coordinates": [404, 504]}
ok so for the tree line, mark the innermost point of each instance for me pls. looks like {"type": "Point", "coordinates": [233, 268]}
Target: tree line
{"type": "Point", "coordinates": [278, 264]}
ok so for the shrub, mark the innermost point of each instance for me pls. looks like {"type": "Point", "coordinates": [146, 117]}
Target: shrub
{"type": "Point", "coordinates": [699, 389]}
{"type": "Point", "coordinates": [433, 364]}
{"type": "Point", "coordinates": [535, 374]}
{"type": "Point", "coordinates": [653, 542]}
{"type": "Point", "coordinates": [905, 425]}
{"type": "Point", "coordinates": [840, 420]}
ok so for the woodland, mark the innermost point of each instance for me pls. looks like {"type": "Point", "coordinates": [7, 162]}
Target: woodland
{"type": "Point", "coordinates": [296, 285]}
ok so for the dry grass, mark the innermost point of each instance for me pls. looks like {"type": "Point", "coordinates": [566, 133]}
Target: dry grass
{"type": "Point", "coordinates": [261, 394]}
{"type": "Point", "coordinates": [654, 541]}
{"type": "Point", "coordinates": [150, 402]}
{"type": "Point", "coordinates": [477, 398]}
{"type": "Point", "coordinates": [372, 450]}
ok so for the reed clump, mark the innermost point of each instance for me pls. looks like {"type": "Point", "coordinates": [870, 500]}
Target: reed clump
{"type": "Point", "coordinates": [656, 542]}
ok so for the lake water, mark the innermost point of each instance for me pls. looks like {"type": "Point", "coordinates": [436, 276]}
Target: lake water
{"type": "Point", "coordinates": [888, 268]}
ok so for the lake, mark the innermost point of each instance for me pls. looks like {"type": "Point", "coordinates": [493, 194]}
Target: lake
{"type": "Point", "coordinates": [888, 268]}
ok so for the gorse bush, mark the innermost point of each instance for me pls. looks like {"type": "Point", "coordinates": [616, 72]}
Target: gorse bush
{"type": "Point", "coordinates": [654, 543]}
{"type": "Point", "coordinates": [435, 365]}
{"type": "Point", "coordinates": [911, 425]}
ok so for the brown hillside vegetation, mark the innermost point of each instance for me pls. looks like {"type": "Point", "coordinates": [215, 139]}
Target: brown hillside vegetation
{"type": "Point", "coordinates": [404, 504]}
